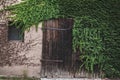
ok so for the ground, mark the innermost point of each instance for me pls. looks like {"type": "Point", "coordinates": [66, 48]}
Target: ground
{"type": "Point", "coordinates": [17, 78]}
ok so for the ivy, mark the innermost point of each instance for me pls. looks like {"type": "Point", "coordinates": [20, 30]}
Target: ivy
{"type": "Point", "coordinates": [95, 33]}
{"type": "Point", "coordinates": [87, 37]}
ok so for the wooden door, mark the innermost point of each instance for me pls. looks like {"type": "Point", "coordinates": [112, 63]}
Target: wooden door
{"type": "Point", "coordinates": [57, 48]}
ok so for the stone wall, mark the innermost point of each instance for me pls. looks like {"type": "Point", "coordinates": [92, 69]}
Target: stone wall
{"type": "Point", "coordinates": [19, 58]}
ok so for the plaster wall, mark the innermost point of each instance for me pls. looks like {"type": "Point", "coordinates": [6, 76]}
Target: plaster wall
{"type": "Point", "coordinates": [19, 58]}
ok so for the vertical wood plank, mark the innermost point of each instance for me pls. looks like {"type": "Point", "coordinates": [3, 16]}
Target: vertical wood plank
{"type": "Point", "coordinates": [57, 45]}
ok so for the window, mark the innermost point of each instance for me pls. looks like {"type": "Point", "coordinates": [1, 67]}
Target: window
{"type": "Point", "coordinates": [14, 33]}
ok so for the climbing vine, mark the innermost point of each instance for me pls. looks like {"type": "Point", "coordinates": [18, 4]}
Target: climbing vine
{"type": "Point", "coordinates": [95, 33]}
{"type": "Point", "coordinates": [87, 37]}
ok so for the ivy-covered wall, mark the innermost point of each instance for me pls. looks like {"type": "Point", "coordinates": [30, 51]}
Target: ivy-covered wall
{"type": "Point", "coordinates": [96, 28]}
{"type": "Point", "coordinates": [19, 58]}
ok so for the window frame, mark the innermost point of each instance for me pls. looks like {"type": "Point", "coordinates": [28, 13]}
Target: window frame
{"type": "Point", "coordinates": [18, 34]}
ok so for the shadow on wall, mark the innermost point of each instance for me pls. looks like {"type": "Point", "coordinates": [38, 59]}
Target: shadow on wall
{"type": "Point", "coordinates": [14, 53]}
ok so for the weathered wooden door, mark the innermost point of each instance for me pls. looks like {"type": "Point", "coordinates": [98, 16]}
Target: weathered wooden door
{"type": "Point", "coordinates": [57, 48]}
